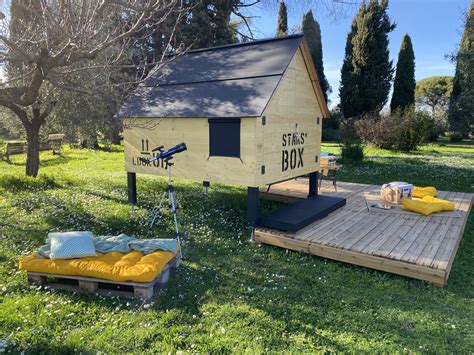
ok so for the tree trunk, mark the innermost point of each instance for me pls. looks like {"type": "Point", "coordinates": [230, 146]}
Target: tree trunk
{"type": "Point", "coordinates": [32, 128]}
{"type": "Point", "coordinates": [32, 152]}
{"type": "Point", "coordinates": [114, 136]}
{"type": "Point", "coordinates": [115, 139]}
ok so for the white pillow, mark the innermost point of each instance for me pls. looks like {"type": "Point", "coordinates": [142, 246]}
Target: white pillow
{"type": "Point", "coordinates": [71, 245]}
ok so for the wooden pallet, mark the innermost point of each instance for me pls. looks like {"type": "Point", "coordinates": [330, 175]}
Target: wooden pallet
{"type": "Point", "coordinates": [144, 290]}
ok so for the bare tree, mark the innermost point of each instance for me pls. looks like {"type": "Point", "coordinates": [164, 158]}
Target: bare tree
{"type": "Point", "coordinates": [44, 42]}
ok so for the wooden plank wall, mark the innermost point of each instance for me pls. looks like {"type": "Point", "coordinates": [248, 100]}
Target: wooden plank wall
{"type": "Point", "coordinates": [194, 163]}
{"type": "Point", "coordinates": [293, 108]}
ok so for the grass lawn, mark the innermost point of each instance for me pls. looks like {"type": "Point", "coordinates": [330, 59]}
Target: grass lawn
{"type": "Point", "coordinates": [229, 294]}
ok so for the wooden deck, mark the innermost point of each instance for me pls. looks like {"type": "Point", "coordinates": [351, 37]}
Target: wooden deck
{"type": "Point", "coordinates": [404, 243]}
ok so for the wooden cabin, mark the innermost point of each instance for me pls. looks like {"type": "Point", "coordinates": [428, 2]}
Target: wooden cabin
{"type": "Point", "coordinates": [250, 114]}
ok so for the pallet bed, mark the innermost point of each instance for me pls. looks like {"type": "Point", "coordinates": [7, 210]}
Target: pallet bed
{"type": "Point", "coordinates": [142, 290]}
{"type": "Point", "coordinates": [405, 243]}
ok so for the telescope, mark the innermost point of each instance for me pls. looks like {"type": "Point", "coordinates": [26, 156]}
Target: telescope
{"type": "Point", "coordinates": [157, 212]}
{"type": "Point", "coordinates": [165, 154]}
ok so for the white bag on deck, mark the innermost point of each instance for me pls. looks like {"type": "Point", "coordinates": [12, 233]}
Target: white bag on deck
{"type": "Point", "coordinates": [396, 191]}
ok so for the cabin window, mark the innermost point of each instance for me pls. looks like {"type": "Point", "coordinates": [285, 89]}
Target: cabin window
{"type": "Point", "coordinates": [224, 137]}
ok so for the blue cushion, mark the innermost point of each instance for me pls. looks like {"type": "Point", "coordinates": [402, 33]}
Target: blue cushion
{"type": "Point", "coordinates": [71, 245]}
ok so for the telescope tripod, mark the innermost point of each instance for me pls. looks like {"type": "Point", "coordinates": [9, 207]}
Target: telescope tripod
{"type": "Point", "coordinates": [168, 202]}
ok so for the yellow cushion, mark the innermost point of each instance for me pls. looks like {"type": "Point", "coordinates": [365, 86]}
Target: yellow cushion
{"type": "Point", "coordinates": [448, 205]}
{"type": "Point", "coordinates": [421, 192]}
{"type": "Point", "coordinates": [421, 206]}
{"type": "Point", "coordinates": [114, 266]}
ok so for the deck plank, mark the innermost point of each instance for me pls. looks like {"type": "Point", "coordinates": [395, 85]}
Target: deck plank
{"type": "Point", "coordinates": [418, 245]}
{"type": "Point", "coordinates": [359, 228]}
{"type": "Point", "coordinates": [465, 207]}
{"type": "Point", "coordinates": [429, 252]}
{"type": "Point", "coordinates": [453, 237]}
{"type": "Point", "coordinates": [334, 225]}
{"type": "Point", "coordinates": [407, 243]}
{"type": "Point", "coordinates": [374, 233]}
{"type": "Point", "coordinates": [345, 213]}
{"type": "Point", "coordinates": [370, 242]}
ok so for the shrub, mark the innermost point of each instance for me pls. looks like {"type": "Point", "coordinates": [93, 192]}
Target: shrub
{"type": "Point", "coordinates": [414, 130]}
{"type": "Point", "coordinates": [352, 150]}
{"type": "Point", "coordinates": [434, 133]}
{"type": "Point", "coordinates": [439, 126]}
{"type": "Point", "coordinates": [377, 131]}
{"type": "Point", "coordinates": [330, 134]}
{"type": "Point", "coordinates": [331, 126]}
{"type": "Point", "coordinates": [399, 131]}
{"type": "Point", "coordinates": [455, 136]}
{"type": "Point", "coordinates": [353, 153]}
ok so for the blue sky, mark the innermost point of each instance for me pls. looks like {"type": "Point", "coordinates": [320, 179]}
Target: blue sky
{"type": "Point", "coordinates": [435, 27]}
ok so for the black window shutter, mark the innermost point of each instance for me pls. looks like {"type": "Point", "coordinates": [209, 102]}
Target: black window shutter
{"type": "Point", "coordinates": [224, 137]}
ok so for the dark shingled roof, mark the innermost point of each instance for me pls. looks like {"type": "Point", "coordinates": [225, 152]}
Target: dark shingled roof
{"type": "Point", "coordinates": [234, 80]}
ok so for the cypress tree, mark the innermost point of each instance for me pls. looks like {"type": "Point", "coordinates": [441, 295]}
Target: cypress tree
{"type": "Point", "coordinates": [282, 28]}
{"type": "Point", "coordinates": [367, 71]}
{"type": "Point", "coordinates": [208, 24]}
{"type": "Point", "coordinates": [404, 85]}
{"type": "Point", "coordinates": [312, 32]}
{"type": "Point", "coordinates": [461, 103]}
{"type": "Point", "coordinates": [348, 89]}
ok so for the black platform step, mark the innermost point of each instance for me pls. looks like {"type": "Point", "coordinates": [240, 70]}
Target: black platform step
{"type": "Point", "coordinates": [298, 215]}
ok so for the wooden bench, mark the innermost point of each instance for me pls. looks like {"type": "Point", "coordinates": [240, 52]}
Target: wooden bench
{"type": "Point", "coordinates": [44, 146]}
{"type": "Point", "coordinates": [55, 142]}
{"type": "Point", "coordinates": [13, 148]}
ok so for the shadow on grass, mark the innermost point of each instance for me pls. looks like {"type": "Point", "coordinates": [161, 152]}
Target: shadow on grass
{"type": "Point", "coordinates": [106, 196]}
{"type": "Point", "coordinates": [43, 182]}
{"type": "Point", "coordinates": [44, 346]}
{"type": "Point", "coordinates": [14, 183]}
{"type": "Point", "coordinates": [60, 160]}
{"type": "Point", "coordinates": [438, 154]}
{"type": "Point", "coordinates": [52, 160]}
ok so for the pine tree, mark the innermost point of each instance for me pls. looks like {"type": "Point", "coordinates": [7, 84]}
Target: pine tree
{"type": "Point", "coordinates": [312, 32]}
{"type": "Point", "coordinates": [367, 71]}
{"type": "Point", "coordinates": [461, 104]}
{"type": "Point", "coordinates": [282, 28]}
{"type": "Point", "coordinates": [405, 83]}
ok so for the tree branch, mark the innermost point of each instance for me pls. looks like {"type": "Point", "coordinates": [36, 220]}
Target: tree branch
{"type": "Point", "coordinates": [13, 46]}
{"type": "Point", "coordinates": [22, 115]}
